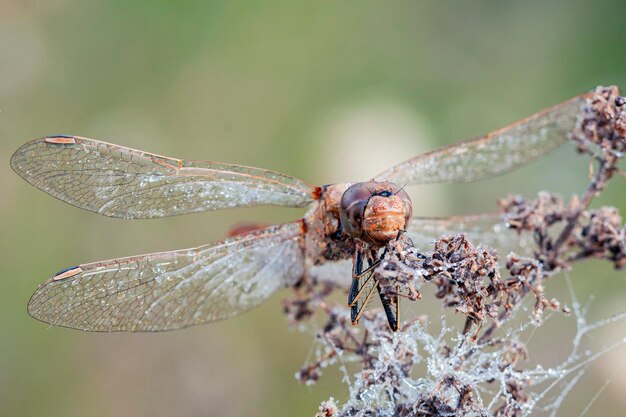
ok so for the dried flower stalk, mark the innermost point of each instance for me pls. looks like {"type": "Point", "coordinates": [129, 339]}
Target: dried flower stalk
{"type": "Point", "coordinates": [473, 370]}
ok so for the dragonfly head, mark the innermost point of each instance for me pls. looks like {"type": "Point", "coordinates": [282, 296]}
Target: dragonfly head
{"type": "Point", "coordinates": [375, 211]}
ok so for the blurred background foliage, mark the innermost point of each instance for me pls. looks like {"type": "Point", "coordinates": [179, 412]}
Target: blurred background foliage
{"type": "Point", "coordinates": [325, 91]}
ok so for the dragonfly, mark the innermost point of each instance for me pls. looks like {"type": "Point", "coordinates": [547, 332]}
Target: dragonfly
{"type": "Point", "coordinates": [345, 228]}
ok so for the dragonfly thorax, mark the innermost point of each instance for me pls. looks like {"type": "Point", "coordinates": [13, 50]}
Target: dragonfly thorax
{"type": "Point", "coordinates": [374, 211]}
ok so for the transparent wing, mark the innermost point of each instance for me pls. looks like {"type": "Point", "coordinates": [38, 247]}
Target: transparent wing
{"type": "Point", "coordinates": [171, 290]}
{"type": "Point", "coordinates": [482, 229]}
{"type": "Point", "coordinates": [336, 272]}
{"type": "Point", "coordinates": [121, 182]}
{"type": "Point", "coordinates": [494, 153]}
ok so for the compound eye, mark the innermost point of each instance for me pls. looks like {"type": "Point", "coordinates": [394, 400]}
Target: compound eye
{"type": "Point", "coordinates": [352, 207]}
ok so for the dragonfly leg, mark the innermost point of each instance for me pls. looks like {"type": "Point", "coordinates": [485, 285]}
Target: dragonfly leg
{"type": "Point", "coordinates": [363, 282]}
{"type": "Point", "coordinates": [363, 285]}
{"type": "Point", "coordinates": [360, 276]}
{"type": "Point", "coordinates": [391, 304]}
{"type": "Point", "coordinates": [357, 261]}
{"type": "Point", "coordinates": [357, 310]}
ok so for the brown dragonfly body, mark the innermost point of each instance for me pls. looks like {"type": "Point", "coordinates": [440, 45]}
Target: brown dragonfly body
{"type": "Point", "coordinates": [355, 222]}
{"type": "Point", "coordinates": [346, 223]}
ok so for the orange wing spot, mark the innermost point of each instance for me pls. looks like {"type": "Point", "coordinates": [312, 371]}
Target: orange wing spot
{"type": "Point", "coordinates": [60, 140]}
{"type": "Point", "coordinates": [67, 273]}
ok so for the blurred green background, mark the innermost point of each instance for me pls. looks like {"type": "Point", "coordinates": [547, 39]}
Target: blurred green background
{"type": "Point", "coordinates": [324, 91]}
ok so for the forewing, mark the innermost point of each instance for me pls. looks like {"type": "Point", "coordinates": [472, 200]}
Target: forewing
{"type": "Point", "coordinates": [121, 182]}
{"type": "Point", "coordinates": [494, 153]}
{"type": "Point", "coordinates": [172, 290]}
{"type": "Point", "coordinates": [487, 229]}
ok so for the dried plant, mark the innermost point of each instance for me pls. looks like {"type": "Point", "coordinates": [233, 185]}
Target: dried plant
{"type": "Point", "coordinates": [478, 368]}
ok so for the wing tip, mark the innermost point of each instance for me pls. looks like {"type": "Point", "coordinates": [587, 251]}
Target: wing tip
{"type": "Point", "coordinates": [16, 158]}
{"type": "Point", "coordinates": [32, 308]}
{"type": "Point", "coordinates": [19, 155]}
